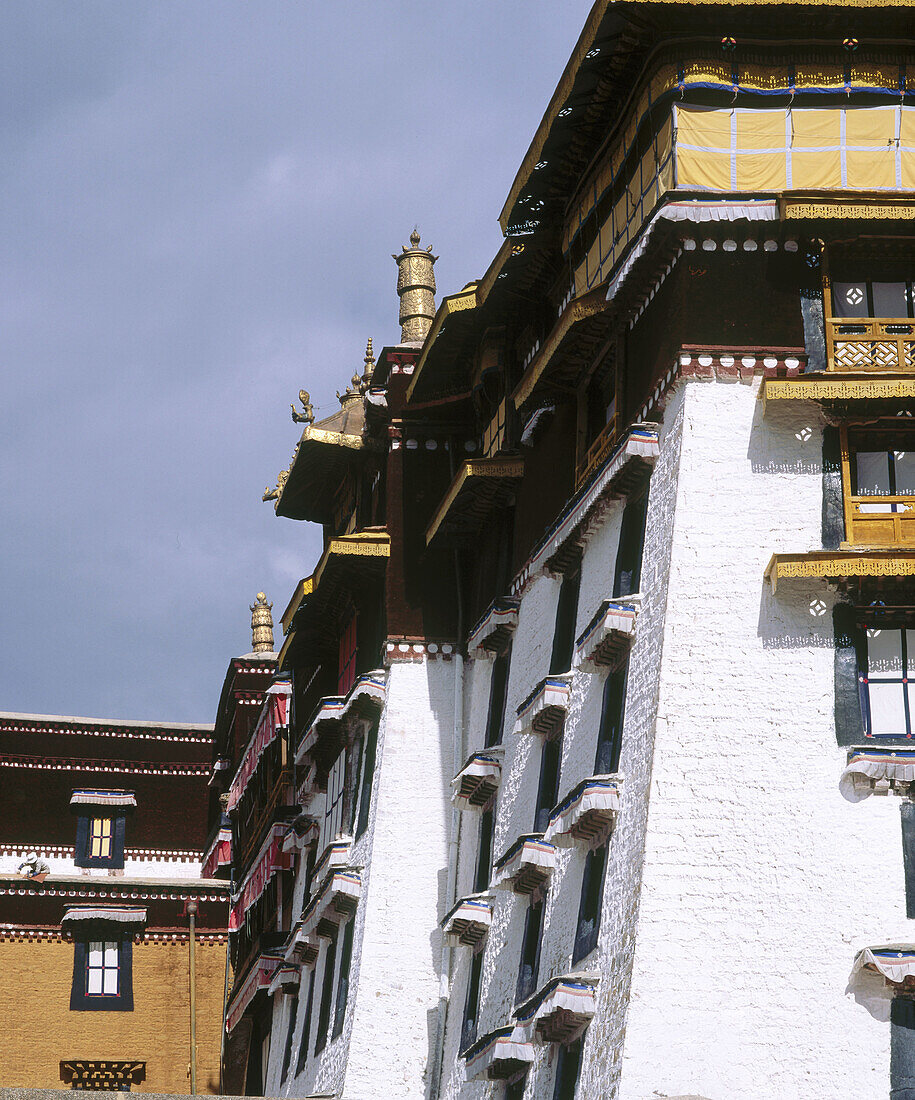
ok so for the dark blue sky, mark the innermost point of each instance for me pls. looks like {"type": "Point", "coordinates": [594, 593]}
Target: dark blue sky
{"type": "Point", "coordinates": [199, 205]}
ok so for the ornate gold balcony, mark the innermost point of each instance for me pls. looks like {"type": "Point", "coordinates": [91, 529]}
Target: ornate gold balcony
{"type": "Point", "coordinates": [866, 344]}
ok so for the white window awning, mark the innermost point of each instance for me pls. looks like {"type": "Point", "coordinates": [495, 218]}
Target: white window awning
{"type": "Point", "coordinates": [491, 635]}
{"type": "Point", "coordinates": [476, 783]}
{"type": "Point", "coordinates": [559, 1012]}
{"type": "Point", "coordinates": [130, 918]}
{"type": "Point", "coordinates": [608, 637]}
{"type": "Point", "coordinates": [871, 771]}
{"type": "Point", "coordinates": [586, 813]}
{"type": "Point", "coordinates": [367, 695]}
{"type": "Point", "coordinates": [334, 856]}
{"type": "Point", "coordinates": [302, 948]}
{"type": "Point", "coordinates": [285, 979]}
{"type": "Point", "coordinates": [259, 977]}
{"type": "Point", "coordinates": [526, 864]}
{"type": "Point", "coordinates": [302, 833]}
{"type": "Point", "coordinates": [497, 1055]}
{"type": "Point", "coordinates": [895, 962]}
{"type": "Point", "coordinates": [333, 904]}
{"type": "Point", "coordinates": [111, 800]}
{"type": "Point", "coordinates": [469, 920]}
{"type": "Point", "coordinates": [330, 710]}
{"type": "Point", "coordinates": [544, 710]}
{"type": "Point", "coordinates": [365, 698]}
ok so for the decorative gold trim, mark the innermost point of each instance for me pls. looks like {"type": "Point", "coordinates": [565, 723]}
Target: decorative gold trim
{"type": "Point", "coordinates": [851, 205]}
{"type": "Point", "coordinates": [837, 388]}
{"type": "Point", "coordinates": [578, 310]}
{"type": "Point", "coordinates": [455, 303]}
{"type": "Point", "coordinates": [475, 468]}
{"type": "Point", "coordinates": [833, 563]}
{"type": "Point", "coordinates": [371, 544]}
{"type": "Point", "coordinates": [304, 588]}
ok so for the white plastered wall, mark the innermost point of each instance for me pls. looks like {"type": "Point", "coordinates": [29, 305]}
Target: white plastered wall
{"type": "Point", "coordinates": [760, 881]}
{"type": "Point", "coordinates": [517, 796]}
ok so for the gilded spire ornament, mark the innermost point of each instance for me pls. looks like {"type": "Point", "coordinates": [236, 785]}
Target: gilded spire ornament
{"type": "Point", "coordinates": [262, 625]}
{"type": "Point", "coordinates": [369, 368]}
{"type": "Point", "coordinates": [416, 290]}
{"type": "Point", "coordinates": [308, 415]}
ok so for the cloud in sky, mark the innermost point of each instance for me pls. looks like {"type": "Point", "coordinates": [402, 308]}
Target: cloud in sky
{"type": "Point", "coordinates": [200, 202]}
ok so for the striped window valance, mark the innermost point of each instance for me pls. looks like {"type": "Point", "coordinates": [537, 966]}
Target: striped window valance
{"type": "Point", "coordinates": [85, 796]}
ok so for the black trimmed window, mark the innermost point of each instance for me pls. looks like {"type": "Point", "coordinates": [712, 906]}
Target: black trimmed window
{"type": "Point", "coordinates": [612, 713]}
{"type": "Point", "coordinates": [306, 1024]}
{"type": "Point", "coordinates": [568, 1068]}
{"type": "Point", "coordinates": [514, 1090]}
{"type": "Point", "coordinates": [100, 837]}
{"type": "Point", "coordinates": [628, 573]}
{"type": "Point", "coordinates": [564, 631]}
{"type": "Point", "coordinates": [530, 951]}
{"type": "Point", "coordinates": [548, 787]}
{"type": "Point", "coordinates": [346, 958]}
{"type": "Point", "coordinates": [484, 851]}
{"type": "Point", "coordinates": [498, 684]}
{"type": "Point", "coordinates": [886, 680]}
{"type": "Point", "coordinates": [369, 755]}
{"type": "Point", "coordinates": [589, 908]}
{"type": "Point", "coordinates": [472, 1002]}
{"type": "Point", "coordinates": [334, 802]}
{"type": "Point", "coordinates": [902, 1048]}
{"type": "Point", "coordinates": [102, 975]}
{"type": "Point", "coordinates": [290, 1033]}
{"type": "Point", "coordinates": [327, 992]}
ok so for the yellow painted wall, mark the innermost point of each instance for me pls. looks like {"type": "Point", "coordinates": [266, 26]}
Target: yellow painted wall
{"type": "Point", "coordinates": [39, 1031]}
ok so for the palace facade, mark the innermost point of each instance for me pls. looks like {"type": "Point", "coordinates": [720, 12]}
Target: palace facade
{"type": "Point", "coordinates": [587, 765]}
{"type": "Point", "coordinates": [112, 943]}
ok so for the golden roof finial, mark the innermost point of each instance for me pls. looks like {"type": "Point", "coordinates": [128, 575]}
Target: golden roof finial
{"type": "Point", "coordinates": [262, 625]}
{"type": "Point", "coordinates": [306, 417]}
{"type": "Point", "coordinates": [416, 289]}
{"type": "Point", "coordinates": [369, 368]}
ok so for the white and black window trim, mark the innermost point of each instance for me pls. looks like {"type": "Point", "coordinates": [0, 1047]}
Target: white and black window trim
{"type": "Point", "coordinates": [101, 826]}
{"type": "Point", "coordinates": [102, 971]}
{"type": "Point", "coordinates": [874, 674]}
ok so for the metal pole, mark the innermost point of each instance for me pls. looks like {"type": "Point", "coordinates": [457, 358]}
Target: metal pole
{"type": "Point", "coordinates": [192, 918]}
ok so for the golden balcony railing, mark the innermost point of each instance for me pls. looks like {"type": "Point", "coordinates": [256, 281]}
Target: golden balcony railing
{"type": "Point", "coordinates": [870, 344]}
{"type": "Point", "coordinates": [597, 453]}
{"type": "Point", "coordinates": [880, 521]}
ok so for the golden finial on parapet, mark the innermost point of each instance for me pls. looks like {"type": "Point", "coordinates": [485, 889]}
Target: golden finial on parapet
{"type": "Point", "coordinates": [416, 289]}
{"type": "Point", "coordinates": [262, 625]}
{"type": "Point", "coordinates": [308, 416]}
{"type": "Point", "coordinates": [369, 368]}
